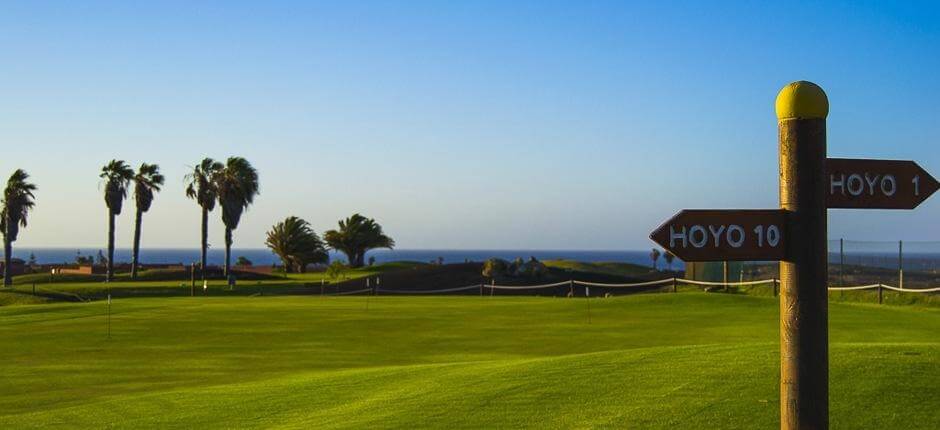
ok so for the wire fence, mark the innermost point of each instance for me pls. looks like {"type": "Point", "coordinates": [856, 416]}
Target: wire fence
{"type": "Point", "coordinates": [903, 264]}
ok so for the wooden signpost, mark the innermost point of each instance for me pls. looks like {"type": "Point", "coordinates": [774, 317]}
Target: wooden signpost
{"type": "Point", "coordinates": [796, 236]}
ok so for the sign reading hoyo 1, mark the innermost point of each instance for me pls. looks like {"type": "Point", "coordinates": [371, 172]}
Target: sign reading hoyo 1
{"type": "Point", "coordinates": [715, 235]}
{"type": "Point", "coordinates": [882, 184]}
{"type": "Point", "coordinates": [796, 235]}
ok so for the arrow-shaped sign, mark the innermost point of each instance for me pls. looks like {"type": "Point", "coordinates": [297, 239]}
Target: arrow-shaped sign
{"type": "Point", "coordinates": [725, 235]}
{"type": "Point", "coordinates": [877, 184]}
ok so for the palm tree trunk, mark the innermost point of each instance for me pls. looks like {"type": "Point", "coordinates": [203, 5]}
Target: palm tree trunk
{"type": "Point", "coordinates": [110, 263]}
{"type": "Point", "coordinates": [136, 260]}
{"type": "Point", "coordinates": [351, 255]}
{"type": "Point", "coordinates": [228, 251]}
{"type": "Point", "coordinates": [205, 241]}
{"type": "Point", "coordinates": [7, 259]}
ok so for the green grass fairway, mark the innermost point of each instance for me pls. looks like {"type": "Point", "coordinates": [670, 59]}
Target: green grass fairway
{"type": "Point", "coordinates": [688, 360]}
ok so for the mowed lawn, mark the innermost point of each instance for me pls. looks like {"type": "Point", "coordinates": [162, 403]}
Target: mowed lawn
{"type": "Point", "coordinates": [688, 360]}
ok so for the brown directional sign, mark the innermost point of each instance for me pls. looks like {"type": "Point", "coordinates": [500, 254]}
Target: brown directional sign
{"type": "Point", "coordinates": [719, 235]}
{"type": "Point", "coordinates": [876, 184]}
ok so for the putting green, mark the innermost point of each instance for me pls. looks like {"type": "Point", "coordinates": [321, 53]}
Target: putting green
{"type": "Point", "coordinates": [688, 360]}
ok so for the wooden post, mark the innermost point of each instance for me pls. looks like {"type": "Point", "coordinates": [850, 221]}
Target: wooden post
{"type": "Point", "coordinates": [571, 288]}
{"type": "Point", "coordinates": [901, 264]}
{"type": "Point", "coordinates": [724, 276]}
{"type": "Point", "coordinates": [775, 287]}
{"type": "Point", "coordinates": [881, 298]}
{"type": "Point", "coordinates": [841, 266]}
{"type": "Point", "coordinates": [675, 285]}
{"type": "Point", "coordinates": [802, 108]}
{"type": "Point", "coordinates": [192, 280]}
{"type": "Point", "coordinates": [481, 289]}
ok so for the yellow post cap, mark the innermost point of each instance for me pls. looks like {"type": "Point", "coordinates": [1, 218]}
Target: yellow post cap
{"type": "Point", "coordinates": [802, 99]}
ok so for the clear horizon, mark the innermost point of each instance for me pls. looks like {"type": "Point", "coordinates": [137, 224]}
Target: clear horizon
{"type": "Point", "coordinates": [458, 126]}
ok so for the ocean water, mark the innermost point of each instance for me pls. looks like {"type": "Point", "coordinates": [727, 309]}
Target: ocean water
{"type": "Point", "coordinates": [263, 256]}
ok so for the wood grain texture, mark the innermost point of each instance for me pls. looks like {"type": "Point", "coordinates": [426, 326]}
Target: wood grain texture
{"type": "Point", "coordinates": [804, 343]}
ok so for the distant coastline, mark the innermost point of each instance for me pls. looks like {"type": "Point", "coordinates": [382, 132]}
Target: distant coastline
{"type": "Point", "coordinates": [263, 256]}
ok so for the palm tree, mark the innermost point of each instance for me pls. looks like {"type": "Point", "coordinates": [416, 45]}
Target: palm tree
{"type": "Point", "coordinates": [237, 186]}
{"type": "Point", "coordinates": [201, 188]}
{"type": "Point", "coordinates": [654, 255]}
{"type": "Point", "coordinates": [296, 244]}
{"type": "Point", "coordinates": [17, 201]}
{"type": "Point", "coordinates": [357, 235]}
{"type": "Point", "coordinates": [669, 257]}
{"type": "Point", "coordinates": [117, 176]}
{"type": "Point", "coordinates": [147, 181]}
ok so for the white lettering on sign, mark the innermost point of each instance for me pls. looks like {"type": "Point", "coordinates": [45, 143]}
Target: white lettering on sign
{"type": "Point", "coordinates": [773, 236]}
{"type": "Point", "coordinates": [889, 185]}
{"type": "Point", "coordinates": [857, 184]}
{"type": "Point", "coordinates": [716, 233]}
{"type": "Point", "coordinates": [702, 239]}
{"type": "Point", "coordinates": [734, 228]}
{"type": "Point", "coordinates": [732, 235]}
{"type": "Point", "coordinates": [673, 235]}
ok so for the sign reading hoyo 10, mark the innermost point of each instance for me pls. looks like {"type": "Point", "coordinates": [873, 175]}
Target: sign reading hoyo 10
{"type": "Point", "coordinates": [714, 235]}
{"type": "Point", "coordinates": [795, 235]}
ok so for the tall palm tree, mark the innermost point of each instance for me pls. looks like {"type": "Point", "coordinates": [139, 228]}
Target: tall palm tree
{"type": "Point", "coordinates": [201, 188]}
{"type": "Point", "coordinates": [237, 185]}
{"type": "Point", "coordinates": [669, 257]}
{"type": "Point", "coordinates": [654, 255]}
{"type": "Point", "coordinates": [18, 199]}
{"type": "Point", "coordinates": [357, 235]}
{"type": "Point", "coordinates": [117, 176]}
{"type": "Point", "coordinates": [147, 181]}
{"type": "Point", "coordinates": [296, 244]}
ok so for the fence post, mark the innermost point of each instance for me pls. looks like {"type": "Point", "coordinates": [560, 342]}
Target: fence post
{"type": "Point", "coordinates": [775, 287]}
{"type": "Point", "coordinates": [675, 282]}
{"type": "Point", "coordinates": [571, 288]}
{"type": "Point", "coordinates": [481, 289]}
{"type": "Point", "coordinates": [192, 280]}
{"type": "Point", "coordinates": [880, 294]}
{"type": "Point", "coordinates": [725, 274]}
{"type": "Point", "coordinates": [901, 264]}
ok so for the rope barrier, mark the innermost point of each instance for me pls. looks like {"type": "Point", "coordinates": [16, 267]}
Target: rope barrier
{"type": "Point", "coordinates": [722, 284]}
{"type": "Point", "coordinates": [526, 287]}
{"type": "Point", "coordinates": [628, 285]}
{"type": "Point", "coordinates": [449, 290]}
{"type": "Point", "coordinates": [860, 287]}
{"type": "Point", "coordinates": [911, 290]}
{"type": "Point", "coordinates": [344, 293]}
{"type": "Point", "coordinates": [635, 284]}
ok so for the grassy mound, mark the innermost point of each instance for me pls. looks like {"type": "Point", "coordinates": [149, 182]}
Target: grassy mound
{"type": "Point", "coordinates": [660, 360]}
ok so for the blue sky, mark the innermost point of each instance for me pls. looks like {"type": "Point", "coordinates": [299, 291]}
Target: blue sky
{"type": "Point", "coordinates": [563, 125]}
